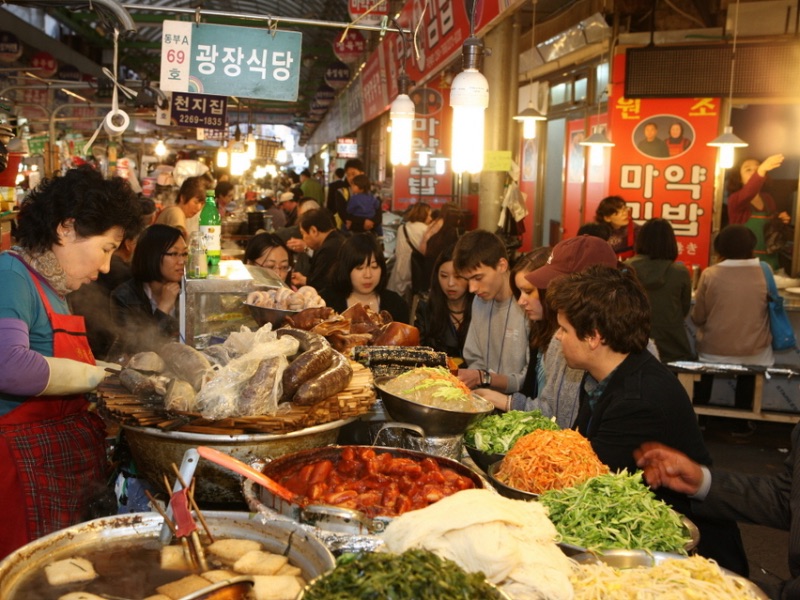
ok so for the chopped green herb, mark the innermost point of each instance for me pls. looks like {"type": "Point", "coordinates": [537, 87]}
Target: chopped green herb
{"type": "Point", "coordinates": [496, 434]}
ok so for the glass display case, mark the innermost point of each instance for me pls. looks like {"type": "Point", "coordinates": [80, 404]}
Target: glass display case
{"type": "Point", "coordinates": [210, 309]}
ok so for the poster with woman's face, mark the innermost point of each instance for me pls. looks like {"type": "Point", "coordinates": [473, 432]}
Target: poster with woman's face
{"type": "Point", "coordinates": [663, 136]}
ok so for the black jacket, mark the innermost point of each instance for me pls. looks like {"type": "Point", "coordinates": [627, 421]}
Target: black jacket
{"type": "Point", "coordinates": [324, 259]}
{"type": "Point", "coordinates": [141, 327]}
{"type": "Point", "coordinates": [644, 402]}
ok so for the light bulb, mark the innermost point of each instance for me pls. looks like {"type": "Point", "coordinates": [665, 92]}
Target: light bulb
{"type": "Point", "coordinates": [282, 155]}
{"type": "Point", "coordinates": [423, 157]}
{"type": "Point", "coordinates": [251, 146]}
{"type": "Point", "coordinates": [240, 162]}
{"type": "Point", "coordinates": [529, 129]}
{"type": "Point", "coordinates": [222, 158]}
{"type": "Point", "coordinates": [726, 156]}
{"type": "Point", "coordinates": [439, 165]}
{"type": "Point", "coordinates": [160, 149]}
{"type": "Point", "coordinates": [402, 115]}
{"type": "Point", "coordinates": [469, 97]}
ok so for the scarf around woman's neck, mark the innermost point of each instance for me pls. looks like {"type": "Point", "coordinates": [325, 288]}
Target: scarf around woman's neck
{"type": "Point", "coordinates": [45, 264]}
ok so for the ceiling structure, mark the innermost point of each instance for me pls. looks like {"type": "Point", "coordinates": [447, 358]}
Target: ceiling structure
{"type": "Point", "coordinates": [86, 28]}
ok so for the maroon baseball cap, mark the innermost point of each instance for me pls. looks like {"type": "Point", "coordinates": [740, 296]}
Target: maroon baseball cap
{"type": "Point", "coordinates": [571, 256]}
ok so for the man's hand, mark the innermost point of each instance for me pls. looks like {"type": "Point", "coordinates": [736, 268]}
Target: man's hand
{"type": "Point", "coordinates": [298, 279]}
{"type": "Point", "coordinates": [470, 377]}
{"type": "Point", "coordinates": [369, 225]}
{"type": "Point", "coordinates": [667, 467]}
{"type": "Point", "coordinates": [296, 245]}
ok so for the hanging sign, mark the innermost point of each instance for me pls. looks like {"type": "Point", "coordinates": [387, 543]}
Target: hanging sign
{"type": "Point", "coordinates": [45, 63]}
{"type": "Point", "coordinates": [230, 61]}
{"type": "Point", "coordinates": [661, 164]}
{"type": "Point", "coordinates": [367, 12]}
{"type": "Point", "coordinates": [337, 75]}
{"type": "Point", "coordinates": [198, 110]}
{"type": "Point", "coordinates": [350, 48]}
{"type": "Point", "coordinates": [10, 47]}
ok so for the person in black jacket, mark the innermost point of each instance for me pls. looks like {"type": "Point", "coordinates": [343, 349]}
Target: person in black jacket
{"type": "Point", "coordinates": [629, 397]}
{"type": "Point", "coordinates": [320, 234]}
{"type": "Point", "coordinates": [145, 306]}
{"type": "Point", "coordinates": [360, 277]}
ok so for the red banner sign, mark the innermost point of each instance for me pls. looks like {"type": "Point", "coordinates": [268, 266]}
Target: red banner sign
{"type": "Point", "coordinates": [661, 164]}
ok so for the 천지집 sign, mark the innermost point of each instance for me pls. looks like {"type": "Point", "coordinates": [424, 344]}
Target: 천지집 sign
{"type": "Point", "coordinates": [230, 61]}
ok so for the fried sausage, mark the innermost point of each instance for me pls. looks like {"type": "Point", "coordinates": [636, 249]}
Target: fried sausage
{"type": "Point", "coordinates": [308, 318]}
{"type": "Point", "coordinates": [316, 357]}
{"type": "Point", "coordinates": [326, 384]}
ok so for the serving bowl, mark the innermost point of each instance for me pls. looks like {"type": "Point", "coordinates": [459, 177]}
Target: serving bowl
{"type": "Point", "coordinates": [630, 559]}
{"type": "Point", "coordinates": [434, 421]}
{"type": "Point", "coordinates": [275, 316]}
{"type": "Point", "coordinates": [483, 459]}
{"type": "Point", "coordinates": [507, 490]}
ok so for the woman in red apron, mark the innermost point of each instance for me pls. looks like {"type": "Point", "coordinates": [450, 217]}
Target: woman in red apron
{"type": "Point", "coordinates": [52, 449]}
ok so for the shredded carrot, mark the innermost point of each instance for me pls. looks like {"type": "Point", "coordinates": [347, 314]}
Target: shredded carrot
{"type": "Point", "coordinates": [549, 460]}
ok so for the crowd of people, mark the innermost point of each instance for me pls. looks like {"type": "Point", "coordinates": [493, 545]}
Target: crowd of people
{"type": "Point", "coordinates": [580, 331]}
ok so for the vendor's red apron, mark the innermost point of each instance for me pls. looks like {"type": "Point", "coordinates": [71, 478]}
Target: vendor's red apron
{"type": "Point", "coordinates": [52, 450]}
{"type": "Point", "coordinates": [630, 240]}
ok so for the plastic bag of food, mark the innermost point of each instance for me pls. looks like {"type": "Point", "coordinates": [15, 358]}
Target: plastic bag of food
{"type": "Point", "coordinates": [242, 341]}
{"type": "Point", "coordinates": [249, 385]}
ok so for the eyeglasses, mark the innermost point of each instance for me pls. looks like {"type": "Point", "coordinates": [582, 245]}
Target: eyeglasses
{"type": "Point", "coordinates": [181, 255]}
{"type": "Point", "coordinates": [283, 269]}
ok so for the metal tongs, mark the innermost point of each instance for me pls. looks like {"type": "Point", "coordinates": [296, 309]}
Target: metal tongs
{"type": "Point", "coordinates": [178, 519]}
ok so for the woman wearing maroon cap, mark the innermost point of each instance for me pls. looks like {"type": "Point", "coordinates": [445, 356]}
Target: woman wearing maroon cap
{"type": "Point", "coordinates": [561, 391]}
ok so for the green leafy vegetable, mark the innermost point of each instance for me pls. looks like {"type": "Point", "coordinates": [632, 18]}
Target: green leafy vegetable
{"type": "Point", "coordinates": [615, 511]}
{"type": "Point", "coordinates": [412, 575]}
{"type": "Point", "coordinates": [496, 434]}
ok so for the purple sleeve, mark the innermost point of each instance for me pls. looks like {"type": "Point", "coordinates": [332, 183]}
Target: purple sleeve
{"type": "Point", "coordinates": [24, 372]}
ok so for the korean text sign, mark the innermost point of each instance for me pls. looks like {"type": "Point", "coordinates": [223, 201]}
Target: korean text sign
{"type": "Point", "coordinates": [198, 110]}
{"type": "Point", "coordinates": [230, 61]}
{"type": "Point", "coordinates": [662, 166]}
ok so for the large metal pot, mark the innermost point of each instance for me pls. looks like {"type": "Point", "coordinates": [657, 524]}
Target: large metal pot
{"type": "Point", "coordinates": [334, 518]}
{"type": "Point", "coordinates": [155, 450]}
{"type": "Point", "coordinates": [305, 551]}
{"type": "Point", "coordinates": [434, 421]}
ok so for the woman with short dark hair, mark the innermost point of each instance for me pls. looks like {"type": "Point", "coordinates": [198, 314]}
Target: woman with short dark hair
{"type": "Point", "coordinates": [730, 308]}
{"type": "Point", "coordinates": [669, 288]}
{"type": "Point", "coordinates": [360, 277]}
{"type": "Point", "coordinates": [52, 448]}
{"type": "Point", "coordinates": [145, 306]}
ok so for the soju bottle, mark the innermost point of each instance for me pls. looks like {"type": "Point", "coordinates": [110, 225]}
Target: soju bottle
{"type": "Point", "coordinates": [211, 228]}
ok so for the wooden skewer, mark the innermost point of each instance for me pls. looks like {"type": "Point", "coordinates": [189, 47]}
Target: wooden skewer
{"type": "Point", "coordinates": [158, 509]}
{"type": "Point", "coordinates": [193, 502]}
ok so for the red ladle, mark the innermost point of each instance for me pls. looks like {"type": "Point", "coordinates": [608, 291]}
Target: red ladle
{"type": "Point", "coordinates": [237, 466]}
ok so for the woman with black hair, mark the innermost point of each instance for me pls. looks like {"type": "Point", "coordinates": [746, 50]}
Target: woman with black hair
{"type": "Point", "coordinates": [615, 214]}
{"type": "Point", "coordinates": [668, 286]}
{"type": "Point", "coordinates": [752, 206]}
{"type": "Point", "coordinates": [443, 319]}
{"type": "Point", "coordinates": [360, 277]}
{"type": "Point", "coordinates": [268, 251]}
{"type": "Point", "coordinates": [443, 232]}
{"type": "Point", "coordinates": [145, 307]}
{"type": "Point", "coordinates": [189, 203]}
{"type": "Point", "coordinates": [730, 309]}
{"type": "Point", "coordinates": [52, 448]}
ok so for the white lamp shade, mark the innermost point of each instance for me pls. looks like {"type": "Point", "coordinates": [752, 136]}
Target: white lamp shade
{"type": "Point", "coordinates": [597, 139]}
{"type": "Point", "coordinates": [528, 118]}
{"type": "Point", "coordinates": [726, 143]}
{"type": "Point", "coordinates": [402, 115]}
{"type": "Point", "coordinates": [469, 97]}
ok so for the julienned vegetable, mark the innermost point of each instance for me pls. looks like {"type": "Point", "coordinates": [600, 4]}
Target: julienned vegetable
{"type": "Point", "coordinates": [496, 434]}
{"type": "Point", "coordinates": [615, 511]}
{"type": "Point", "coordinates": [412, 575]}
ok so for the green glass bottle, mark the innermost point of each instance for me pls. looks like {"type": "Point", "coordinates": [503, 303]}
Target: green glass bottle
{"type": "Point", "coordinates": [211, 228]}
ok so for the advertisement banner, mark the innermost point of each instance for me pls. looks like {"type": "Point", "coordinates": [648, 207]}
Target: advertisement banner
{"type": "Point", "coordinates": [661, 164]}
{"type": "Point", "coordinates": [230, 61]}
{"type": "Point", "coordinates": [432, 125]}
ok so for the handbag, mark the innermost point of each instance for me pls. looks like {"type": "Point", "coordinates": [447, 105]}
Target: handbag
{"type": "Point", "coordinates": [777, 235]}
{"type": "Point", "coordinates": [419, 282]}
{"type": "Point", "coordinates": [779, 324]}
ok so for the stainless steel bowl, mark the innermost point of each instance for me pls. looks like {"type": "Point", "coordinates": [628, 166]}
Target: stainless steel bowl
{"type": "Point", "coordinates": [630, 559]}
{"type": "Point", "coordinates": [274, 316]}
{"type": "Point", "coordinates": [142, 529]}
{"type": "Point", "coordinates": [434, 421]}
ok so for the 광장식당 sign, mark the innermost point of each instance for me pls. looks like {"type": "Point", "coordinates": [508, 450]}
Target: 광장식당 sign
{"type": "Point", "coordinates": [230, 61]}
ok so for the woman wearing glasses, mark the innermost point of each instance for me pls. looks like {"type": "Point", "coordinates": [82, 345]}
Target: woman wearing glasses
{"type": "Point", "coordinates": [145, 306]}
{"type": "Point", "coordinates": [268, 251]}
